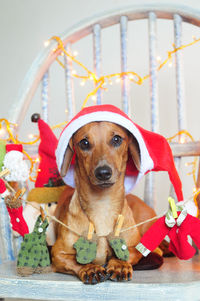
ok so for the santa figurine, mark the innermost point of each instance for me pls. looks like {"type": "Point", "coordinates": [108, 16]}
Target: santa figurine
{"type": "Point", "coordinates": [18, 171]}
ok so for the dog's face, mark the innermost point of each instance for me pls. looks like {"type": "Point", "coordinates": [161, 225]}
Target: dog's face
{"type": "Point", "coordinates": [102, 152]}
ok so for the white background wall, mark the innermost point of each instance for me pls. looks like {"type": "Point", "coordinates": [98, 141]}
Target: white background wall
{"type": "Point", "coordinates": [26, 24]}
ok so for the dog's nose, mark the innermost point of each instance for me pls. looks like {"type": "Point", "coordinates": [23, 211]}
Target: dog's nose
{"type": "Point", "coordinates": [103, 173]}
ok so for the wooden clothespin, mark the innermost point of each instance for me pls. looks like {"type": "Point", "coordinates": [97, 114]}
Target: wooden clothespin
{"type": "Point", "coordinates": [4, 172]}
{"type": "Point", "coordinates": [173, 207]}
{"type": "Point", "coordinates": [19, 194]}
{"type": "Point", "coordinates": [119, 224]}
{"type": "Point", "coordinates": [90, 231]}
{"type": "Point", "coordinates": [42, 213]}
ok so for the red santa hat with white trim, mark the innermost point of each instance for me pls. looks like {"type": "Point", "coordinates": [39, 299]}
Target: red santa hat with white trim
{"type": "Point", "coordinates": [155, 152]}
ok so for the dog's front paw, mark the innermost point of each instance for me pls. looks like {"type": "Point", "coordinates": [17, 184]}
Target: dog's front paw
{"type": "Point", "coordinates": [119, 270]}
{"type": "Point", "coordinates": [92, 274]}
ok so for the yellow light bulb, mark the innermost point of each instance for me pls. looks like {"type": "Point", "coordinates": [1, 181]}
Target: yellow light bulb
{"type": "Point", "coordinates": [182, 140]}
{"type": "Point", "coordinates": [46, 43]}
{"type": "Point", "coordinates": [82, 83]}
{"type": "Point", "coordinates": [2, 132]}
{"type": "Point", "coordinates": [75, 53]}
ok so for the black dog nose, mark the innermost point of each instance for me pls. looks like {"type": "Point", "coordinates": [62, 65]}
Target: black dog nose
{"type": "Point", "coordinates": [103, 173]}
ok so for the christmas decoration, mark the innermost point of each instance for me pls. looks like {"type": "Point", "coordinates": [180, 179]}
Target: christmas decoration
{"type": "Point", "coordinates": [49, 185]}
{"type": "Point", "coordinates": [177, 228]}
{"type": "Point", "coordinates": [85, 250]}
{"type": "Point", "coordinates": [86, 247]}
{"type": "Point", "coordinates": [46, 151]}
{"type": "Point", "coordinates": [14, 169]}
{"type": "Point", "coordinates": [33, 256]}
{"type": "Point", "coordinates": [15, 210]}
{"type": "Point", "coordinates": [120, 248]}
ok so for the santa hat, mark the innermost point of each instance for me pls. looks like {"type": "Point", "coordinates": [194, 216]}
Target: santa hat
{"type": "Point", "coordinates": [14, 162]}
{"type": "Point", "coordinates": [155, 152]}
{"type": "Point", "coordinates": [3, 191]}
{"type": "Point", "coordinates": [48, 170]}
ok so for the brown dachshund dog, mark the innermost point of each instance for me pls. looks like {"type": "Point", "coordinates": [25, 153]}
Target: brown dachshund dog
{"type": "Point", "coordinates": [99, 197]}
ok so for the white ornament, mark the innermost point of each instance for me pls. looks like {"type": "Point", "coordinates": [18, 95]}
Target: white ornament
{"type": "Point", "coordinates": [124, 247]}
{"type": "Point", "coordinates": [40, 230]}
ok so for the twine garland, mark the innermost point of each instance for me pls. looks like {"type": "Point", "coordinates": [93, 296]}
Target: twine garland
{"type": "Point", "coordinates": [122, 230]}
{"type": "Point", "coordinates": [118, 229]}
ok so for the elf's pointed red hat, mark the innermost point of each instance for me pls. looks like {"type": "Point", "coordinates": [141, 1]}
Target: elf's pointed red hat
{"type": "Point", "coordinates": [155, 151]}
{"type": "Point", "coordinates": [47, 167]}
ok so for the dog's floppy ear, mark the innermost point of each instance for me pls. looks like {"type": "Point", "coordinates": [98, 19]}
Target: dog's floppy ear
{"type": "Point", "coordinates": [135, 151]}
{"type": "Point", "coordinates": [67, 159]}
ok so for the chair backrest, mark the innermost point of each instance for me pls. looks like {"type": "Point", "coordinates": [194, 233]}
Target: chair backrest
{"type": "Point", "coordinates": [39, 73]}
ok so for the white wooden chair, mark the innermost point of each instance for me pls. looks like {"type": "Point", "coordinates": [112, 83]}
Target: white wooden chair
{"type": "Point", "coordinates": [176, 279]}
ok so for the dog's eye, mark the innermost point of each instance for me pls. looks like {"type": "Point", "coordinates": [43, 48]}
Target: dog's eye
{"type": "Point", "coordinates": [116, 140]}
{"type": "Point", "coordinates": [84, 144]}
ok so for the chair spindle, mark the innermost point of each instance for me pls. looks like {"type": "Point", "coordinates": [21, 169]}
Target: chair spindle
{"type": "Point", "coordinates": [6, 234]}
{"type": "Point", "coordinates": [69, 87]}
{"type": "Point", "coordinates": [125, 83]}
{"type": "Point", "coordinates": [97, 56]}
{"type": "Point", "coordinates": [149, 195]}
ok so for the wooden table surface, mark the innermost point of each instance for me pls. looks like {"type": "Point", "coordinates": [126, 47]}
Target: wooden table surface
{"type": "Point", "coordinates": [175, 280]}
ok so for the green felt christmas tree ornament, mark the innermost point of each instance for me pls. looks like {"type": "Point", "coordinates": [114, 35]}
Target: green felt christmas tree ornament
{"type": "Point", "coordinates": [34, 256]}
{"type": "Point", "coordinates": [85, 250]}
{"type": "Point", "coordinates": [120, 248]}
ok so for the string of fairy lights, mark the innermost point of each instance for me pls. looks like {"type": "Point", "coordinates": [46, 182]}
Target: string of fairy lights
{"type": "Point", "coordinates": [102, 82]}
